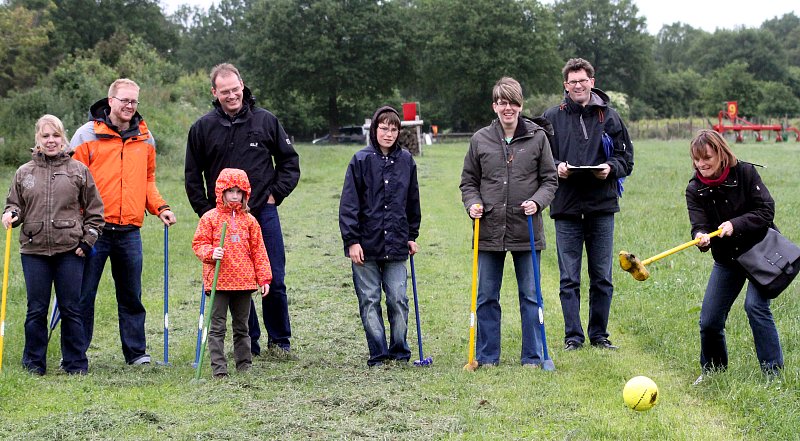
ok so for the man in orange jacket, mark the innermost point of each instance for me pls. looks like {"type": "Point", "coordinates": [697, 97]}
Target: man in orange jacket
{"type": "Point", "coordinates": [120, 152]}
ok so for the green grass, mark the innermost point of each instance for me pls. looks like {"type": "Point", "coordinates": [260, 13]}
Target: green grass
{"type": "Point", "coordinates": [330, 394]}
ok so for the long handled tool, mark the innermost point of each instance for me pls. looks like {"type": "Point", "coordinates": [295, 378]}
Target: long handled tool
{"type": "Point", "coordinates": [547, 363]}
{"type": "Point", "coordinates": [166, 296]}
{"type": "Point", "coordinates": [55, 316]}
{"type": "Point", "coordinates": [423, 361]}
{"type": "Point", "coordinates": [200, 325]}
{"type": "Point", "coordinates": [633, 265]}
{"type": "Point", "coordinates": [213, 294]}
{"type": "Point", "coordinates": [5, 291]}
{"type": "Point", "coordinates": [472, 364]}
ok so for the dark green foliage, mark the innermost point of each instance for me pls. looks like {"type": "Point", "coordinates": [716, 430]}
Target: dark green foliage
{"type": "Point", "coordinates": [465, 47]}
{"type": "Point", "coordinates": [326, 54]}
{"type": "Point", "coordinates": [612, 36]}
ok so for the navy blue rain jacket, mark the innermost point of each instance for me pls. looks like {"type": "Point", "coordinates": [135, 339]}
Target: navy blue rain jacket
{"type": "Point", "coordinates": [379, 208]}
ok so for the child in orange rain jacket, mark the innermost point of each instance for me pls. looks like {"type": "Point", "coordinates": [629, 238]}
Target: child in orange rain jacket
{"type": "Point", "coordinates": [244, 267]}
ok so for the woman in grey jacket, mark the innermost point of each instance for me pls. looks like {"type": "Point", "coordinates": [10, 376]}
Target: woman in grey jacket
{"type": "Point", "coordinates": [55, 199]}
{"type": "Point", "coordinates": [508, 174]}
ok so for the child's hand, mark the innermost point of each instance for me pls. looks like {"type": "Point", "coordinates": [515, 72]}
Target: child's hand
{"type": "Point", "coordinates": [218, 253]}
{"type": "Point", "coordinates": [264, 290]}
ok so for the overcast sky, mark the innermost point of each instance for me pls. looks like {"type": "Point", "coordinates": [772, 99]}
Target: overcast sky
{"type": "Point", "coordinates": [704, 14]}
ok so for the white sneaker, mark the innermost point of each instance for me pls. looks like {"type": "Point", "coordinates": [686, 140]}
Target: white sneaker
{"type": "Point", "coordinates": [144, 359]}
{"type": "Point", "coordinates": [699, 381]}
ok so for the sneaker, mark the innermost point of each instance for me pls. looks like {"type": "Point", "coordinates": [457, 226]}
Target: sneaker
{"type": "Point", "coordinates": [488, 365]}
{"type": "Point", "coordinates": [281, 353]}
{"type": "Point", "coordinates": [699, 380]}
{"type": "Point", "coordinates": [531, 365]}
{"type": "Point", "coordinates": [572, 346]}
{"type": "Point", "coordinates": [144, 359]}
{"type": "Point", "coordinates": [221, 375]}
{"type": "Point", "coordinates": [604, 344]}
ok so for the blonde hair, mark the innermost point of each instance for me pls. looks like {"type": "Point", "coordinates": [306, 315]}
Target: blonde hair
{"type": "Point", "coordinates": [507, 89]}
{"type": "Point", "coordinates": [54, 123]}
{"type": "Point", "coordinates": [717, 144]}
{"type": "Point", "coordinates": [122, 82]}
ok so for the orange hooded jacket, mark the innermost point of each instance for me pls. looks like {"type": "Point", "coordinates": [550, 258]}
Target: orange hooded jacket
{"type": "Point", "coordinates": [245, 265]}
{"type": "Point", "coordinates": [123, 167]}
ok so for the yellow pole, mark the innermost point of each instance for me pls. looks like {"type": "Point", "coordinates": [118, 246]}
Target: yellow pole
{"type": "Point", "coordinates": [472, 364]}
{"type": "Point", "coordinates": [5, 292]}
{"type": "Point", "coordinates": [678, 248]}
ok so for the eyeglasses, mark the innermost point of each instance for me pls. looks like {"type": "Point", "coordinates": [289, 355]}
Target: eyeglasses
{"type": "Point", "coordinates": [127, 102]}
{"type": "Point", "coordinates": [582, 82]}
{"type": "Point", "coordinates": [388, 129]}
{"type": "Point", "coordinates": [503, 104]}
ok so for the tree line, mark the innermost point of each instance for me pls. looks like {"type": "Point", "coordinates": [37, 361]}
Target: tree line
{"type": "Point", "coordinates": [319, 64]}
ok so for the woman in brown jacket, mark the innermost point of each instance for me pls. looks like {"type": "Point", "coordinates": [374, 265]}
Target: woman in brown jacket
{"type": "Point", "coordinates": [55, 199]}
{"type": "Point", "coordinates": [508, 174]}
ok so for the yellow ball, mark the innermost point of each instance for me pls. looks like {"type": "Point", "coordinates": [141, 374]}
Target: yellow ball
{"type": "Point", "coordinates": [640, 393]}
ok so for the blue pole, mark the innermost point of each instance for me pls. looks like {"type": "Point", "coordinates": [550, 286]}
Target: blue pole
{"type": "Point", "coordinates": [547, 363]}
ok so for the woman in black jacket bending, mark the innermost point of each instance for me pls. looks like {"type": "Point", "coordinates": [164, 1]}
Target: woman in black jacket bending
{"type": "Point", "coordinates": [729, 195]}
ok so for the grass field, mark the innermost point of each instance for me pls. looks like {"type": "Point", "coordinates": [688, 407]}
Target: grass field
{"type": "Point", "coordinates": [330, 394]}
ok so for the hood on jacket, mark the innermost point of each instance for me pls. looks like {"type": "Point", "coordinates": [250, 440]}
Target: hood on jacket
{"type": "Point", "coordinates": [373, 126]}
{"type": "Point", "coordinates": [248, 101]}
{"type": "Point", "coordinates": [100, 111]}
{"type": "Point", "coordinates": [598, 98]}
{"type": "Point", "coordinates": [229, 178]}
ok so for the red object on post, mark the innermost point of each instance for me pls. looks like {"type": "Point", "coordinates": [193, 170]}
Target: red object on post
{"type": "Point", "coordinates": [409, 111]}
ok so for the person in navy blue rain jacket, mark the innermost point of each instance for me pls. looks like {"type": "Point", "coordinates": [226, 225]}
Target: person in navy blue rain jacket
{"type": "Point", "coordinates": [379, 217]}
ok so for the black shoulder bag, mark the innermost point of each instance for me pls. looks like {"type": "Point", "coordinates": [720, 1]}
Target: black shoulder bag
{"type": "Point", "coordinates": [771, 264]}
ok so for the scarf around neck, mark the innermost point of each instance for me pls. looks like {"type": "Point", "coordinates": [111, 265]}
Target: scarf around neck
{"type": "Point", "coordinates": [715, 182]}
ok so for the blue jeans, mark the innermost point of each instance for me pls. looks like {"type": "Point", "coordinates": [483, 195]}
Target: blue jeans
{"type": "Point", "coordinates": [276, 304]}
{"type": "Point", "coordinates": [368, 280]}
{"type": "Point", "coordinates": [724, 285]}
{"type": "Point", "coordinates": [124, 248]}
{"type": "Point", "coordinates": [597, 233]}
{"type": "Point", "coordinates": [41, 273]}
{"type": "Point", "coordinates": [490, 280]}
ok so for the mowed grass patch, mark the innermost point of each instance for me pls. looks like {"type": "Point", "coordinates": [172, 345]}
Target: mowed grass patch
{"type": "Point", "coordinates": [329, 393]}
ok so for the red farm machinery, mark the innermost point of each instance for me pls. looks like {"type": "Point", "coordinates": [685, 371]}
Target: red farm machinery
{"type": "Point", "coordinates": [739, 125]}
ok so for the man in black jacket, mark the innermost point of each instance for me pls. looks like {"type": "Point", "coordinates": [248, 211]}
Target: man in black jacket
{"type": "Point", "coordinates": [237, 134]}
{"type": "Point", "coordinates": [592, 152]}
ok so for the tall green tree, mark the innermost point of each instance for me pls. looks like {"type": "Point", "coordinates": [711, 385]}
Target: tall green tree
{"type": "Point", "coordinates": [210, 37]}
{"type": "Point", "coordinates": [612, 36]}
{"type": "Point", "coordinates": [23, 38]}
{"type": "Point", "coordinates": [81, 24]}
{"type": "Point", "coordinates": [765, 57]}
{"type": "Point", "coordinates": [786, 30]}
{"type": "Point", "coordinates": [671, 51]}
{"type": "Point", "coordinates": [731, 82]}
{"type": "Point", "coordinates": [324, 54]}
{"type": "Point", "coordinates": [464, 47]}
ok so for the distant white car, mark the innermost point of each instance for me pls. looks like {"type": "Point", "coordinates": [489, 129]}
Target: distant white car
{"type": "Point", "coordinates": [347, 135]}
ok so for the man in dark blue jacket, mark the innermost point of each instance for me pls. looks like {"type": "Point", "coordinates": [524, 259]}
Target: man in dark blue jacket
{"type": "Point", "coordinates": [379, 217]}
{"type": "Point", "coordinates": [592, 152]}
{"type": "Point", "coordinates": [237, 134]}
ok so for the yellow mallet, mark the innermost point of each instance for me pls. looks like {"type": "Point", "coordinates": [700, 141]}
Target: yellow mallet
{"type": "Point", "coordinates": [633, 265]}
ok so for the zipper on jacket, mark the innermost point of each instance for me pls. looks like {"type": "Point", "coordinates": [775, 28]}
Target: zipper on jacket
{"type": "Point", "coordinates": [583, 127]}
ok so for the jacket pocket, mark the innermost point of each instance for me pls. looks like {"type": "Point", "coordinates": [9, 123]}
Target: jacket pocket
{"type": "Point", "coordinates": [31, 236]}
{"type": "Point", "coordinates": [66, 232]}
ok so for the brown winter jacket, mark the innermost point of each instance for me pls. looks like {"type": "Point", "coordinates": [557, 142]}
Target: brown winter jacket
{"type": "Point", "coordinates": [501, 177]}
{"type": "Point", "coordinates": [57, 204]}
